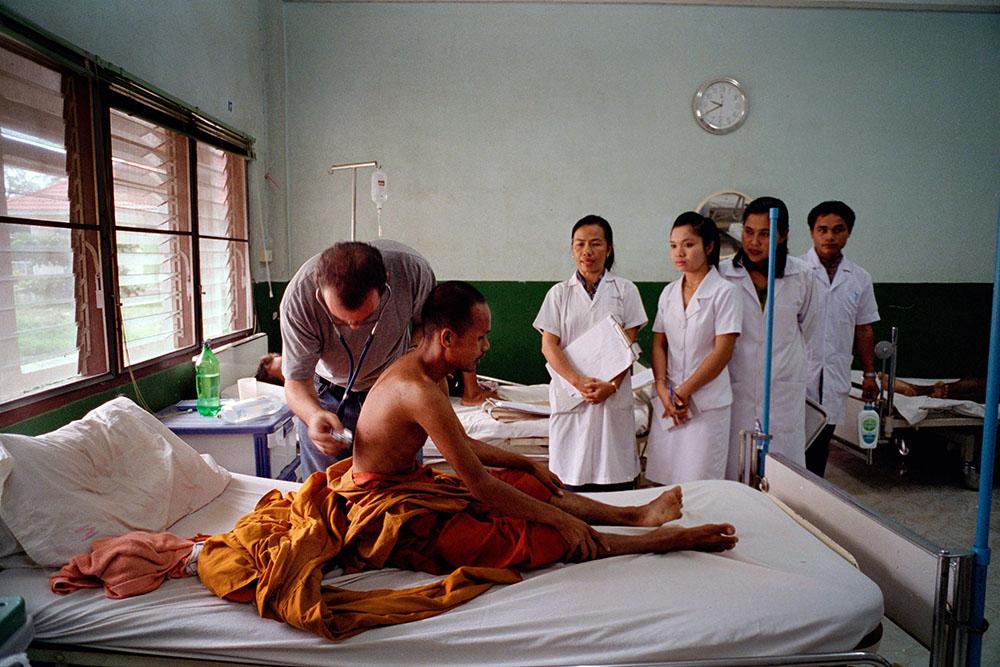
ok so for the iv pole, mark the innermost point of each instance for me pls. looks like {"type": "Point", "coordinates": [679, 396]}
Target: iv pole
{"type": "Point", "coordinates": [353, 166]}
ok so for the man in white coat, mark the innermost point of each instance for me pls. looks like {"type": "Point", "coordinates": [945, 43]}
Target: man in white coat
{"type": "Point", "coordinates": [795, 321]}
{"type": "Point", "coordinates": [847, 310]}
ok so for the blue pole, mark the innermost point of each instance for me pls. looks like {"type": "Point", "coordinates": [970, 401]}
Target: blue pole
{"type": "Point", "coordinates": [981, 550]}
{"type": "Point", "coordinates": [765, 418]}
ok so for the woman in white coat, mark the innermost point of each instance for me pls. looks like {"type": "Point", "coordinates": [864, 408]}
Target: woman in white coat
{"type": "Point", "coordinates": [795, 323]}
{"type": "Point", "coordinates": [591, 445]}
{"type": "Point", "coordinates": [698, 319]}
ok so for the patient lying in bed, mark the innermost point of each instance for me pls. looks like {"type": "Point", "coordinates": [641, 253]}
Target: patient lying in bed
{"type": "Point", "coordinates": [385, 509]}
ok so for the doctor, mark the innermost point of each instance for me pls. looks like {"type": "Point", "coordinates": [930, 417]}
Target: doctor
{"type": "Point", "coordinates": [847, 310]}
{"type": "Point", "coordinates": [795, 322]}
{"type": "Point", "coordinates": [697, 322]}
{"type": "Point", "coordinates": [592, 445]}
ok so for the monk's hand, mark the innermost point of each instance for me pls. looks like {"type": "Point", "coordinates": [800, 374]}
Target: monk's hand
{"type": "Point", "coordinates": [322, 426]}
{"type": "Point", "coordinates": [584, 542]}
{"type": "Point", "coordinates": [548, 478]}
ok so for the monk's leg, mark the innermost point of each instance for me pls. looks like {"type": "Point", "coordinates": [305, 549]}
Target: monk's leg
{"type": "Point", "coordinates": [665, 507]}
{"type": "Point", "coordinates": [706, 537]}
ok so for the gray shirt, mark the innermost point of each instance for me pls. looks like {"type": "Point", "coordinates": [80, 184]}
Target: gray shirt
{"type": "Point", "coordinates": [310, 341]}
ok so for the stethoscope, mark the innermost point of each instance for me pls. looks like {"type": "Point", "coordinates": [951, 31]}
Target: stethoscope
{"type": "Point", "coordinates": [354, 371]}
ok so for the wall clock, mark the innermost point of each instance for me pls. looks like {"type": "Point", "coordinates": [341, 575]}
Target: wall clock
{"type": "Point", "coordinates": [720, 105]}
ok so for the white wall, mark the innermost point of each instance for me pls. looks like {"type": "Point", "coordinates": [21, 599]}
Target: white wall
{"type": "Point", "coordinates": [501, 124]}
{"type": "Point", "coordinates": [206, 54]}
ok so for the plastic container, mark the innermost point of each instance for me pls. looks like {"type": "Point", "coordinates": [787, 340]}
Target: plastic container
{"type": "Point", "coordinates": [868, 427]}
{"type": "Point", "coordinates": [206, 378]}
{"type": "Point", "coordinates": [249, 409]}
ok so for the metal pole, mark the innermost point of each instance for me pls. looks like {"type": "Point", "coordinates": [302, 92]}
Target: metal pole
{"type": "Point", "coordinates": [354, 204]}
{"type": "Point", "coordinates": [765, 421]}
{"type": "Point", "coordinates": [353, 166]}
{"type": "Point", "coordinates": [981, 550]}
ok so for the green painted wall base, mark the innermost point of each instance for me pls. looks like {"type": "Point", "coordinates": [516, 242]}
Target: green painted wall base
{"type": "Point", "coordinates": [943, 332]}
{"type": "Point", "coordinates": [944, 328]}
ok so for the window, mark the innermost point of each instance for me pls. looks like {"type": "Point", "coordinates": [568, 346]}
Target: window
{"type": "Point", "coordinates": [107, 183]}
{"type": "Point", "coordinates": [51, 323]}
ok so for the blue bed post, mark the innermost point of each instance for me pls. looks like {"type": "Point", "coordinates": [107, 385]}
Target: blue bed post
{"type": "Point", "coordinates": [981, 550]}
{"type": "Point", "coordinates": [765, 417]}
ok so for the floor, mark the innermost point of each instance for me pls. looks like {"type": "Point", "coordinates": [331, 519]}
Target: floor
{"type": "Point", "coordinates": [923, 491]}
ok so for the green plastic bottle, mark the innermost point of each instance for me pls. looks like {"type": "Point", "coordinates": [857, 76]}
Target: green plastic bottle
{"type": "Point", "coordinates": [206, 379]}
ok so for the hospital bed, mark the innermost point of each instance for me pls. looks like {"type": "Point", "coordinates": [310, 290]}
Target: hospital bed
{"type": "Point", "coordinates": [902, 417]}
{"type": "Point", "coordinates": [781, 592]}
{"type": "Point", "coordinates": [527, 433]}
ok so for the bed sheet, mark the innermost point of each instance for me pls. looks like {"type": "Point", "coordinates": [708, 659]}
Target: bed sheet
{"type": "Point", "coordinates": [779, 592]}
{"type": "Point", "coordinates": [530, 433]}
{"type": "Point", "coordinates": [915, 409]}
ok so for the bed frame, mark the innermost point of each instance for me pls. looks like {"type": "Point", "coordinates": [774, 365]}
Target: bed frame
{"type": "Point", "coordinates": [964, 431]}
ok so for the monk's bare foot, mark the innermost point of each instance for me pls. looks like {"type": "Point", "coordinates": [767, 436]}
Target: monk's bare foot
{"type": "Point", "coordinates": [706, 537]}
{"type": "Point", "coordinates": [666, 507]}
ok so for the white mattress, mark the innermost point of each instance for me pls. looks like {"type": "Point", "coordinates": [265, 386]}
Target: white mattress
{"type": "Point", "coordinates": [779, 592]}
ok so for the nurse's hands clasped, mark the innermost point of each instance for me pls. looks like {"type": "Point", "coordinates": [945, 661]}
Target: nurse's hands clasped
{"type": "Point", "coordinates": [593, 390]}
{"type": "Point", "coordinates": [675, 403]}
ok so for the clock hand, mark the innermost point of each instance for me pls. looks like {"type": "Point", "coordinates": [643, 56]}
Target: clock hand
{"type": "Point", "coordinates": [718, 105]}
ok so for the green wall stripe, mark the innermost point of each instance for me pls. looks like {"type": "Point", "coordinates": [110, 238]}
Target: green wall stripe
{"type": "Point", "coordinates": [943, 332]}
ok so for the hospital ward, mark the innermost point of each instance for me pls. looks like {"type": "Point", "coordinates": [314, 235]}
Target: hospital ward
{"type": "Point", "coordinates": [499, 332]}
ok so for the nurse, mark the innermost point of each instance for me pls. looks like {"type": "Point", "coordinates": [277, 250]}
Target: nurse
{"type": "Point", "coordinates": [698, 320]}
{"type": "Point", "coordinates": [795, 323]}
{"type": "Point", "coordinates": [591, 445]}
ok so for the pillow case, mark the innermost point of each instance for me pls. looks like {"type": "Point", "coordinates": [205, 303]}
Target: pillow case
{"type": "Point", "coordinates": [116, 470]}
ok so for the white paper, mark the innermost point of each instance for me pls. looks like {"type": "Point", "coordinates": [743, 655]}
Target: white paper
{"type": "Point", "coordinates": [602, 352]}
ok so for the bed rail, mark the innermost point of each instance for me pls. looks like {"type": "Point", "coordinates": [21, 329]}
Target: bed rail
{"type": "Point", "coordinates": [927, 589]}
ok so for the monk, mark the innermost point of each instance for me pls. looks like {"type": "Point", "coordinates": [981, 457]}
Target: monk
{"type": "Point", "coordinates": [521, 516]}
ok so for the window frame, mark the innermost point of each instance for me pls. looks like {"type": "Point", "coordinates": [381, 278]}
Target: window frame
{"type": "Point", "coordinates": [109, 87]}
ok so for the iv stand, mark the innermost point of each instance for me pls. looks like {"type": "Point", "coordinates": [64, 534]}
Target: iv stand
{"type": "Point", "coordinates": [353, 166]}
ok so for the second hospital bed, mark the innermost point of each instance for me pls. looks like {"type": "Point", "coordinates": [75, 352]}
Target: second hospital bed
{"type": "Point", "coordinates": [781, 592]}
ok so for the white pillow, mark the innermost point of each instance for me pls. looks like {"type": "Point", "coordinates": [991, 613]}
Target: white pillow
{"type": "Point", "coordinates": [116, 470]}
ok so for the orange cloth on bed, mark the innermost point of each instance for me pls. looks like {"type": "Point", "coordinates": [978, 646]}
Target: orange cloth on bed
{"type": "Point", "coordinates": [127, 565]}
{"type": "Point", "coordinates": [477, 536]}
{"type": "Point", "coordinates": [278, 552]}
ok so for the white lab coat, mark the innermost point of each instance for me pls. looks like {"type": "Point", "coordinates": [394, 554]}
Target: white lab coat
{"type": "Point", "coordinates": [846, 303]}
{"type": "Point", "coordinates": [697, 449]}
{"type": "Point", "coordinates": [795, 322]}
{"type": "Point", "coordinates": [592, 444]}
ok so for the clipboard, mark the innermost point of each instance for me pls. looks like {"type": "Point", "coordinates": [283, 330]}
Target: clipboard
{"type": "Point", "coordinates": [602, 352]}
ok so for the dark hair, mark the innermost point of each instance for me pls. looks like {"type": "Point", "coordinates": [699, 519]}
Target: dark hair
{"type": "Point", "coordinates": [705, 229]}
{"type": "Point", "coordinates": [264, 371]}
{"type": "Point", "coordinates": [609, 236]}
{"type": "Point", "coordinates": [832, 207]}
{"type": "Point", "coordinates": [763, 205]}
{"type": "Point", "coordinates": [450, 305]}
{"type": "Point", "coordinates": [352, 269]}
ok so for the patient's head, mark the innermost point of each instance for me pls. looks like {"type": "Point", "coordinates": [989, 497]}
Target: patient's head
{"type": "Point", "coordinates": [269, 369]}
{"type": "Point", "coordinates": [456, 317]}
{"type": "Point", "coordinates": [351, 271]}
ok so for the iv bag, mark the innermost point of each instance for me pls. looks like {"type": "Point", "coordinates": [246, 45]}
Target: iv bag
{"type": "Point", "coordinates": [379, 194]}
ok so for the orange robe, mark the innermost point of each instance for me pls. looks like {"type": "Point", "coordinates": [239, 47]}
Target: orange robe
{"type": "Point", "coordinates": [276, 554]}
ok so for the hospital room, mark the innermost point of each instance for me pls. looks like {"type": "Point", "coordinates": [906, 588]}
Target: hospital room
{"type": "Point", "coordinates": [185, 181]}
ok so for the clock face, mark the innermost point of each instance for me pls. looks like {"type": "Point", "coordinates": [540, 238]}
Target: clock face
{"type": "Point", "coordinates": [720, 106]}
